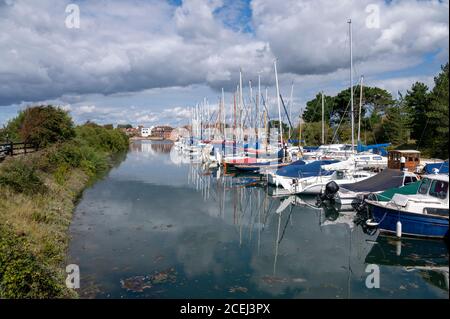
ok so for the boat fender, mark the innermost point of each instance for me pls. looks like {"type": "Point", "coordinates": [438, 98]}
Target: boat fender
{"type": "Point", "coordinates": [398, 229]}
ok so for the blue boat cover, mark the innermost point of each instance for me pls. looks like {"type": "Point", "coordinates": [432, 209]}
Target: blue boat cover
{"type": "Point", "coordinates": [388, 178]}
{"type": "Point", "coordinates": [307, 170]}
{"type": "Point", "coordinates": [442, 167]}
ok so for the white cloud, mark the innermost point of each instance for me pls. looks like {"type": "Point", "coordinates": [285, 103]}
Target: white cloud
{"type": "Point", "coordinates": [127, 47]}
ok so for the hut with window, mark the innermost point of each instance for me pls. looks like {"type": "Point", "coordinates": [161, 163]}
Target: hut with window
{"type": "Point", "coordinates": [412, 159]}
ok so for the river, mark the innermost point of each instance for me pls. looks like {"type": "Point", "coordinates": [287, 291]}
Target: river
{"type": "Point", "coordinates": [161, 226]}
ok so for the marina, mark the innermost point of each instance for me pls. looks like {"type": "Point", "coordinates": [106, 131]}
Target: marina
{"type": "Point", "coordinates": [193, 152]}
{"type": "Point", "coordinates": [161, 225]}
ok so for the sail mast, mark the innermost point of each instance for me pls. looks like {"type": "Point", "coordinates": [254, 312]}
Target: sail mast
{"type": "Point", "coordinates": [290, 109]}
{"type": "Point", "coordinates": [351, 85]}
{"type": "Point", "coordinates": [360, 107]}
{"type": "Point", "coordinates": [323, 120]}
{"type": "Point", "coordinates": [257, 113]}
{"type": "Point", "coordinates": [241, 105]}
{"type": "Point", "coordinates": [278, 102]}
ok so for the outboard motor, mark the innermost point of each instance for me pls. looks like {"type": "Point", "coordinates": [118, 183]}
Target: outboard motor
{"type": "Point", "coordinates": [331, 188]}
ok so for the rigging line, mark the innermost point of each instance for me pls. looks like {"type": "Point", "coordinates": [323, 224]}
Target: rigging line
{"type": "Point", "coordinates": [285, 226]}
{"type": "Point", "coordinates": [342, 117]}
{"type": "Point", "coordinates": [421, 136]}
{"type": "Point", "coordinates": [284, 107]}
{"type": "Point", "coordinates": [265, 107]}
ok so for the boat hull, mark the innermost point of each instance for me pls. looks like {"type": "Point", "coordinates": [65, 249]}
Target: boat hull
{"type": "Point", "coordinates": [413, 224]}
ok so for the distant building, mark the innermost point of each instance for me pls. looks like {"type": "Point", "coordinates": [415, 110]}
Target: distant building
{"type": "Point", "coordinates": [162, 131]}
{"type": "Point", "coordinates": [145, 131]}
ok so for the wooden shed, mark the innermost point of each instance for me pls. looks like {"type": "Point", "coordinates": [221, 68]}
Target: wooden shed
{"type": "Point", "coordinates": [412, 159]}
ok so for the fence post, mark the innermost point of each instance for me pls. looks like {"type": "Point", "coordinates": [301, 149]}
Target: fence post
{"type": "Point", "coordinates": [11, 144]}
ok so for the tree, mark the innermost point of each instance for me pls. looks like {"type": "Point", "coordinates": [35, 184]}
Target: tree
{"type": "Point", "coordinates": [312, 133]}
{"type": "Point", "coordinates": [437, 129]}
{"type": "Point", "coordinates": [42, 125]}
{"type": "Point", "coordinates": [417, 101]}
{"type": "Point", "coordinates": [124, 126]}
{"type": "Point", "coordinates": [392, 128]}
{"type": "Point", "coordinates": [313, 111]}
{"type": "Point", "coordinates": [337, 109]}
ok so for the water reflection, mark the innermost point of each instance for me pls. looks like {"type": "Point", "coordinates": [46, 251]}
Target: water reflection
{"type": "Point", "coordinates": [161, 225]}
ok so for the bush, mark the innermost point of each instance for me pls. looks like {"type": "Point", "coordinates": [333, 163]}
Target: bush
{"type": "Point", "coordinates": [100, 138]}
{"type": "Point", "coordinates": [41, 125]}
{"type": "Point", "coordinates": [21, 177]}
{"type": "Point", "coordinates": [22, 275]}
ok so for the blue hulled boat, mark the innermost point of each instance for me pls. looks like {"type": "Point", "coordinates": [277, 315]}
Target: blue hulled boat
{"type": "Point", "coordinates": [424, 214]}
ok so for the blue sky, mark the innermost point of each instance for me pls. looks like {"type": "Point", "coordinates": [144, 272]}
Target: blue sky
{"type": "Point", "coordinates": [149, 62]}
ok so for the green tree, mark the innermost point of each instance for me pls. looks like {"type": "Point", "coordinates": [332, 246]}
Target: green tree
{"type": "Point", "coordinates": [417, 101]}
{"type": "Point", "coordinates": [45, 125]}
{"type": "Point", "coordinates": [392, 128]}
{"type": "Point", "coordinates": [312, 133]}
{"type": "Point", "coordinates": [436, 134]}
{"type": "Point", "coordinates": [313, 111]}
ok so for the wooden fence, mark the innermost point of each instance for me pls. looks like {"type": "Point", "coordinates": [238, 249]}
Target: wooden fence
{"type": "Point", "coordinates": [13, 149]}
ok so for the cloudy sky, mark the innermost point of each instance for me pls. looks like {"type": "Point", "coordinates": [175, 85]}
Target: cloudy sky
{"type": "Point", "coordinates": [148, 62]}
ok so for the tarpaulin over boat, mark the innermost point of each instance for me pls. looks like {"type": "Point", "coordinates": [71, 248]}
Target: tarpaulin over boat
{"type": "Point", "coordinates": [409, 189]}
{"type": "Point", "coordinates": [442, 167]}
{"type": "Point", "coordinates": [311, 169]}
{"type": "Point", "coordinates": [388, 178]}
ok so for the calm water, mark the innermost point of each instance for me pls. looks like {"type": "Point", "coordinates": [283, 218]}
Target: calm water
{"type": "Point", "coordinates": [159, 226]}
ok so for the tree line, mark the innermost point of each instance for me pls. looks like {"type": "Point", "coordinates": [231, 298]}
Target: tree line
{"type": "Point", "coordinates": [418, 119]}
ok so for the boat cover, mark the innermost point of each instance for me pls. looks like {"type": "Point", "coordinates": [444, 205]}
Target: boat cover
{"type": "Point", "coordinates": [307, 170]}
{"type": "Point", "coordinates": [388, 178]}
{"type": "Point", "coordinates": [442, 167]}
{"type": "Point", "coordinates": [409, 189]}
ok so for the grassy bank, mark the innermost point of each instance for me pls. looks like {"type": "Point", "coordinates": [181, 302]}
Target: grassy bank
{"type": "Point", "coordinates": [38, 193]}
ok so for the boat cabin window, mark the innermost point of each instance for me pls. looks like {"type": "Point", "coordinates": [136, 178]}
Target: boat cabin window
{"type": "Point", "coordinates": [409, 180]}
{"type": "Point", "coordinates": [439, 189]}
{"type": "Point", "coordinates": [339, 175]}
{"type": "Point", "coordinates": [377, 158]}
{"type": "Point", "coordinates": [424, 186]}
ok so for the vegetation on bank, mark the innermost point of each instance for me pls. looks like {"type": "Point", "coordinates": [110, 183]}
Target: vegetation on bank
{"type": "Point", "coordinates": [38, 192]}
{"type": "Point", "coordinates": [419, 119]}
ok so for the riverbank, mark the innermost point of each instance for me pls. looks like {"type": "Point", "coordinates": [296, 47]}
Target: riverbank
{"type": "Point", "coordinates": [38, 194]}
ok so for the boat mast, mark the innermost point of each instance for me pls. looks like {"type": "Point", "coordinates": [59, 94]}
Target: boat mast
{"type": "Point", "coordinates": [266, 124]}
{"type": "Point", "coordinates": [323, 120]}
{"type": "Point", "coordinates": [278, 102]}
{"type": "Point", "coordinates": [360, 107]}
{"type": "Point", "coordinates": [224, 115]}
{"type": "Point", "coordinates": [351, 85]}
{"type": "Point", "coordinates": [300, 130]}
{"type": "Point", "coordinates": [251, 103]}
{"type": "Point", "coordinates": [290, 109]}
{"type": "Point", "coordinates": [257, 114]}
{"type": "Point", "coordinates": [241, 105]}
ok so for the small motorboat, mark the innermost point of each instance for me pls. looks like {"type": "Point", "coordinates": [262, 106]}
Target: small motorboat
{"type": "Point", "coordinates": [424, 214]}
{"type": "Point", "coordinates": [347, 194]}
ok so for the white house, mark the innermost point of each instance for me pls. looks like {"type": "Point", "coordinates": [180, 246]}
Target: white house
{"type": "Point", "coordinates": [145, 131]}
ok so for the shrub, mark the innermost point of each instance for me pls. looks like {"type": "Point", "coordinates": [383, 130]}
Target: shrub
{"type": "Point", "coordinates": [21, 177]}
{"type": "Point", "coordinates": [22, 275]}
{"type": "Point", "coordinates": [100, 138]}
{"type": "Point", "coordinates": [41, 125]}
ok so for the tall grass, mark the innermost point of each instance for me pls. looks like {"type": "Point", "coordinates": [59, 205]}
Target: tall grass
{"type": "Point", "coordinates": [37, 195]}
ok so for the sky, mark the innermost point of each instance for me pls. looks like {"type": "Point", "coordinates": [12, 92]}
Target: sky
{"type": "Point", "coordinates": [148, 62]}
